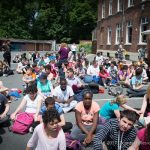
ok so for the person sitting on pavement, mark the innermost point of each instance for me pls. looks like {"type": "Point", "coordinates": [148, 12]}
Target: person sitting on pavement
{"type": "Point", "coordinates": [86, 113]}
{"type": "Point", "coordinates": [111, 109]}
{"type": "Point", "coordinates": [48, 135]}
{"type": "Point", "coordinates": [16, 58]}
{"type": "Point", "coordinates": [49, 104]}
{"type": "Point", "coordinates": [80, 71]}
{"type": "Point", "coordinates": [117, 134]}
{"type": "Point", "coordinates": [45, 87]}
{"type": "Point", "coordinates": [63, 94]}
{"type": "Point", "coordinates": [136, 86]}
{"type": "Point", "coordinates": [93, 70]}
{"type": "Point", "coordinates": [124, 75]}
{"type": "Point", "coordinates": [99, 57]}
{"type": "Point", "coordinates": [50, 75]}
{"type": "Point", "coordinates": [32, 102]}
{"type": "Point", "coordinates": [104, 76]}
{"type": "Point", "coordinates": [29, 76]}
{"type": "Point", "coordinates": [21, 65]}
{"type": "Point", "coordinates": [74, 81]}
{"type": "Point", "coordinates": [4, 108]}
{"type": "Point", "coordinates": [113, 72]}
{"type": "Point", "coordinates": [142, 139]}
{"type": "Point", "coordinates": [145, 109]}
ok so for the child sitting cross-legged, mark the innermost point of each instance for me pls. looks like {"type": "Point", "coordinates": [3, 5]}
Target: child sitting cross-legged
{"type": "Point", "coordinates": [49, 104]}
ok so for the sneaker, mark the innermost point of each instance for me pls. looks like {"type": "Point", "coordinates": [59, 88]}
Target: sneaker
{"type": "Point", "coordinates": [31, 129]}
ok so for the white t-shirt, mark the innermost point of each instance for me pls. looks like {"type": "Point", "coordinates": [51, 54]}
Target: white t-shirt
{"type": "Point", "coordinates": [73, 48]}
{"type": "Point", "coordinates": [31, 105]}
{"type": "Point", "coordinates": [73, 81]}
{"type": "Point", "coordinates": [42, 142]}
{"type": "Point", "coordinates": [93, 71]}
{"type": "Point", "coordinates": [63, 95]}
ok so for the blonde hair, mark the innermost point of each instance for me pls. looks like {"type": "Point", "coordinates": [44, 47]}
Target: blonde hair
{"type": "Point", "coordinates": [63, 45]}
{"type": "Point", "coordinates": [120, 100]}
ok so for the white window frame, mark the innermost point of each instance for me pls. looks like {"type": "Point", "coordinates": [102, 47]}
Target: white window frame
{"type": "Point", "coordinates": [118, 34]}
{"type": "Point", "coordinates": [129, 25]}
{"type": "Point", "coordinates": [119, 6]}
{"type": "Point", "coordinates": [109, 35]}
{"type": "Point", "coordinates": [103, 9]}
{"type": "Point", "coordinates": [144, 21]}
{"type": "Point", "coordinates": [110, 7]}
{"type": "Point", "coordinates": [130, 3]}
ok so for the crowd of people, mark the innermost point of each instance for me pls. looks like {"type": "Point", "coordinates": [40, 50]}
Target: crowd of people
{"type": "Point", "coordinates": [55, 84]}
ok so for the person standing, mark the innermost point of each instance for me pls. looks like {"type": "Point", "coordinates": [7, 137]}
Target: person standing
{"type": "Point", "coordinates": [74, 49]}
{"type": "Point", "coordinates": [121, 51]}
{"type": "Point", "coordinates": [7, 52]}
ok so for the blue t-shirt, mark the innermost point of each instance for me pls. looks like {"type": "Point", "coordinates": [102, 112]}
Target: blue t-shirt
{"type": "Point", "coordinates": [57, 107]}
{"type": "Point", "coordinates": [107, 110]}
{"type": "Point", "coordinates": [136, 81]}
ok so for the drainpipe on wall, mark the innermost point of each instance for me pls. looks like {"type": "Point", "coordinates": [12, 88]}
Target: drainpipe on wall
{"type": "Point", "coordinates": [122, 22]}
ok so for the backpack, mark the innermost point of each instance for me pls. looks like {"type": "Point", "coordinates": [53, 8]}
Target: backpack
{"type": "Point", "coordinates": [93, 87]}
{"type": "Point", "coordinates": [88, 79]}
{"type": "Point", "coordinates": [72, 144]}
{"type": "Point", "coordinates": [22, 123]}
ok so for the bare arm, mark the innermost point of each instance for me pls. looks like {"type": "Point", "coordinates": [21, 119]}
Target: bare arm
{"type": "Point", "coordinates": [70, 99]}
{"type": "Point", "coordinates": [129, 108]}
{"type": "Point", "coordinates": [19, 108]}
{"type": "Point", "coordinates": [38, 108]}
{"type": "Point", "coordinates": [5, 112]}
{"type": "Point", "coordinates": [117, 113]}
{"type": "Point", "coordinates": [144, 105]}
{"type": "Point", "coordinates": [57, 100]}
{"type": "Point", "coordinates": [79, 122]}
{"type": "Point", "coordinates": [62, 122]}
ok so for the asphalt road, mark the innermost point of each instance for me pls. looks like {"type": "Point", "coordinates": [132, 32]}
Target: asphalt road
{"type": "Point", "coordinates": [11, 141]}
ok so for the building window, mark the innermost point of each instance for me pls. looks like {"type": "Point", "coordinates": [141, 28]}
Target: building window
{"type": "Point", "coordinates": [130, 3]}
{"type": "Point", "coordinates": [129, 32]}
{"type": "Point", "coordinates": [118, 33]}
{"type": "Point", "coordinates": [109, 36]}
{"type": "Point", "coordinates": [110, 7]}
{"type": "Point", "coordinates": [119, 5]}
{"type": "Point", "coordinates": [103, 9]}
{"type": "Point", "coordinates": [143, 27]}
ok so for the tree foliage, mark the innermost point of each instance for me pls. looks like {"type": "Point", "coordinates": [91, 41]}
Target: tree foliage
{"type": "Point", "coordinates": [63, 20]}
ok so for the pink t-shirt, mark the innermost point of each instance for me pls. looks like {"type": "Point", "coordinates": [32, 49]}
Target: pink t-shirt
{"type": "Point", "coordinates": [87, 116]}
{"type": "Point", "coordinates": [141, 135]}
{"type": "Point", "coordinates": [42, 142]}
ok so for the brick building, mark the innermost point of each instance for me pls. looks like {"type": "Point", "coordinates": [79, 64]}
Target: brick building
{"type": "Point", "coordinates": [122, 20]}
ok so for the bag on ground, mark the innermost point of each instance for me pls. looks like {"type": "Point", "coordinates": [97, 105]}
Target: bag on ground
{"type": "Point", "coordinates": [72, 144]}
{"type": "Point", "coordinates": [22, 123]}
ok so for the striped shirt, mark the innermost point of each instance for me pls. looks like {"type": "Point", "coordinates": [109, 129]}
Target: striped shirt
{"type": "Point", "coordinates": [112, 136]}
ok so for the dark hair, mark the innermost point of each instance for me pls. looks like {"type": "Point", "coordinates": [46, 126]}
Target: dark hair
{"type": "Point", "coordinates": [47, 67]}
{"type": "Point", "coordinates": [130, 115]}
{"type": "Point", "coordinates": [125, 67]}
{"type": "Point", "coordinates": [87, 92]}
{"type": "Point", "coordinates": [31, 89]}
{"type": "Point", "coordinates": [50, 116]}
{"type": "Point", "coordinates": [113, 62]}
{"type": "Point", "coordinates": [49, 101]}
{"type": "Point", "coordinates": [147, 133]}
{"type": "Point", "coordinates": [70, 70]}
{"type": "Point", "coordinates": [63, 79]}
{"type": "Point", "coordinates": [138, 71]}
